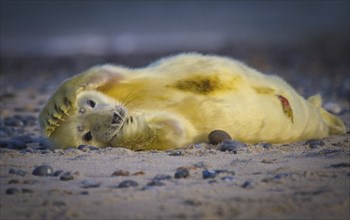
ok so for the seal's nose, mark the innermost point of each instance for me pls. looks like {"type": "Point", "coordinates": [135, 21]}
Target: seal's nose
{"type": "Point", "coordinates": [116, 119]}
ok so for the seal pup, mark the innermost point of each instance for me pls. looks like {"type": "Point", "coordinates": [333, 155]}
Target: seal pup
{"type": "Point", "coordinates": [179, 100]}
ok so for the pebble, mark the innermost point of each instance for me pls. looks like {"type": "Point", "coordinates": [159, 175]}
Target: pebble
{"type": "Point", "coordinates": [90, 184]}
{"type": "Point", "coordinates": [175, 153]}
{"type": "Point", "coordinates": [67, 176]}
{"type": "Point", "coordinates": [138, 173]}
{"type": "Point", "coordinates": [248, 185]}
{"type": "Point", "coordinates": [11, 191]}
{"type": "Point", "coordinates": [314, 143]}
{"type": "Point", "coordinates": [217, 136]}
{"type": "Point", "coordinates": [265, 145]}
{"type": "Point", "coordinates": [181, 173]}
{"type": "Point", "coordinates": [227, 178]}
{"type": "Point", "coordinates": [208, 174]}
{"type": "Point", "coordinates": [340, 165]}
{"type": "Point", "coordinates": [58, 173]}
{"type": "Point", "coordinates": [87, 148]}
{"type": "Point", "coordinates": [161, 177]}
{"type": "Point", "coordinates": [127, 184]}
{"type": "Point", "coordinates": [280, 176]}
{"type": "Point", "coordinates": [43, 170]}
{"type": "Point", "coordinates": [120, 173]}
{"type": "Point", "coordinates": [231, 145]}
{"type": "Point", "coordinates": [17, 172]}
{"type": "Point", "coordinates": [155, 183]}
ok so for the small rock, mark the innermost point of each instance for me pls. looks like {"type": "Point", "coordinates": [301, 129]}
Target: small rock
{"type": "Point", "coordinates": [67, 176]}
{"type": "Point", "coordinates": [340, 165]}
{"type": "Point", "coordinates": [120, 173]}
{"type": "Point", "coordinates": [43, 170]}
{"type": "Point", "coordinates": [138, 173]}
{"type": "Point", "coordinates": [175, 153]}
{"type": "Point", "coordinates": [313, 143]}
{"type": "Point", "coordinates": [58, 173]}
{"type": "Point", "coordinates": [217, 136]}
{"type": "Point", "coordinates": [84, 193]}
{"type": "Point", "coordinates": [227, 178]}
{"type": "Point", "coordinates": [11, 191]}
{"type": "Point", "coordinates": [127, 184]}
{"type": "Point", "coordinates": [280, 176]}
{"type": "Point", "coordinates": [248, 185]}
{"type": "Point", "coordinates": [161, 177]}
{"type": "Point", "coordinates": [181, 173]}
{"type": "Point", "coordinates": [155, 183]}
{"type": "Point", "coordinates": [90, 184]}
{"type": "Point", "coordinates": [87, 148]}
{"type": "Point", "coordinates": [209, 174]}
{"type": "Point", "coordinates": [265, 145]}
{"type": "Point", "coordinates": [17, 172]}
{"type": "Point", "coordinates": [232, 145]}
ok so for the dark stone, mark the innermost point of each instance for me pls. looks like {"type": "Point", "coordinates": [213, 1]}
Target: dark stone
{"type": "Point", "coordinates": [17, 172]}
{"type": "Point", "coordinates": [280, 176]}
{"type": "Point", "coordinates": [14, 181]}
{"type": "Point", "coordinates": [161, 177]}
{"type": "Point", "coordinates": [314, 143]}
{"type": "Point", "coordinates": [175, 153]}
{"type": "Point", "coordinates": [58, 173]}
{"type": "Point", "coordinates": [43, 170]}
{"type": "Point", "coordinates": [227, 178]}
{"type": "Point", "coordinates": [248, 185]}
{"type": "Point", "coordinates": [217, 136]}
{"type": "Point", "coordinates": [340, 165]}
{"type": "Point", "coordinates": [120, 173]}
{"type": "Point", "coordinates": [208, 174]}
{"type": "Point", "coordinates": [265, 145]}
{"type": "Point", "coordinates": [232, 145]}
{"type": "Point", "coordinates": [155, 183]}
{"type": "Point", "coordinates": [127, 184]}
{"type": "Point", "coordinates": [181, 173]}
{"type": "Point", "coordinates": [11, 191]}
{"type": "Point", "coordinates": [67, 176]}
{"type": "Point", "coordinates": [87, 148]}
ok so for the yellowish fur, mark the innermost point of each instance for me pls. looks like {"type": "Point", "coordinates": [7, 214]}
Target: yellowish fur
{"type": "Point", "coordinates": [177, 101]}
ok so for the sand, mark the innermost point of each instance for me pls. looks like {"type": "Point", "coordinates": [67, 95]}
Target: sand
{"type": "Point", "coordinates": [281, 181]}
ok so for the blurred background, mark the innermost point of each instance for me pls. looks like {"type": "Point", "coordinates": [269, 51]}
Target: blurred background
{"type": "Point", "coordinates": [306, 42]}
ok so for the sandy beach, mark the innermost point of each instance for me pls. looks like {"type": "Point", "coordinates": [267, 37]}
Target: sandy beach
{"type": "Point", "coordinates": [303, 180]}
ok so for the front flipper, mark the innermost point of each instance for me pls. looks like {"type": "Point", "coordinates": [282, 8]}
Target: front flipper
{"type": "Point", "coordinates": [63, 100]}
{"type": "Point", "coordinates": [157, 131]}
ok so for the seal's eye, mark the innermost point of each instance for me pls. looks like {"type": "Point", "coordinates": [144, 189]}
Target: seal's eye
{"type": "Point", "coordinates": [88, 136]}
{"type": "Point", "coordinates": [91, 103]}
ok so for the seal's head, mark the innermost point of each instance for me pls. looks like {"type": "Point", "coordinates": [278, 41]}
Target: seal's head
{"type": "Point", "coordinates": [96, 121]}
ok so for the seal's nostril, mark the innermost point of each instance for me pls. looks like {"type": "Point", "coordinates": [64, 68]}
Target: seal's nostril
{"type": "Point", "coordinates": [116, 118]}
